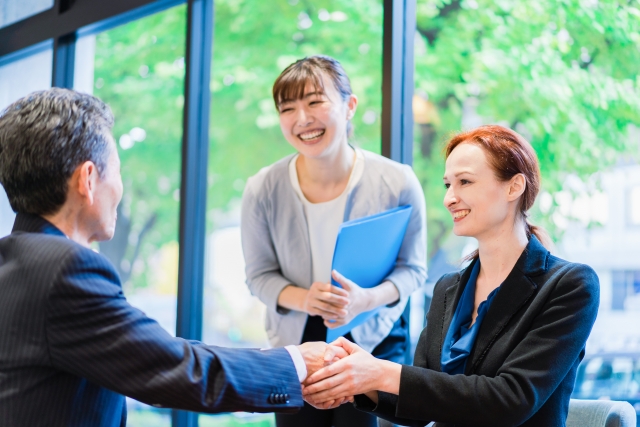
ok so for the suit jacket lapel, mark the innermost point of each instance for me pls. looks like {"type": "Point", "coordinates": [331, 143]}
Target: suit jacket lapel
{"type": "Point", "coordinates": [514, 293]}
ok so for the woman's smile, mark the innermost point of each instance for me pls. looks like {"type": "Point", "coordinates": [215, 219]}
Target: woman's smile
{"type": "Point", "coordinates": [311, 136]}
{"type": "Point", "coordinates": [460, 214]}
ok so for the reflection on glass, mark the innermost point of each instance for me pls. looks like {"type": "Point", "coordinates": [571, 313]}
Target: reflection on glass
{"type": "Point", "coordinates": [249, 53]}
{"type": "Point", "coordinates": [16, 10]}
{"type": "Point", "coordinates": [17, 79]}
{"type": "Point", "coordinates": [138, 69]}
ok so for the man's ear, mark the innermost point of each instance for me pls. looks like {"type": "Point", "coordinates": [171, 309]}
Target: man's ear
{"type": "Point", "coordinates": [86, 179]}
{"type": "Point", "coordinates": [352, 106]}
{"type": "Point", "coordinates": [517, 185]}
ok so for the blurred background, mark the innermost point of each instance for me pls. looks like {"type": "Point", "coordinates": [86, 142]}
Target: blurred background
{"type": "Point", "coordinates": [564, 74]}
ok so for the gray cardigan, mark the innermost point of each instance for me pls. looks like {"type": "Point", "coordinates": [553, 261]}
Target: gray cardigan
{"type": "Point", "coordinates": [275, 242]}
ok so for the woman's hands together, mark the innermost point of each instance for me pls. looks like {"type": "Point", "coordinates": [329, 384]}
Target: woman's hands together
{"type": "Point", "coordinates": [326, 300]}
{"type": "Point", "coordinates": [337, 306]}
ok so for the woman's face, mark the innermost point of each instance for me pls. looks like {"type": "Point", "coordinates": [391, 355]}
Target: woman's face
{"type": "Point", "coordinates": [316, 125]}
{"type": "Point", "coordinates": [480, 204]}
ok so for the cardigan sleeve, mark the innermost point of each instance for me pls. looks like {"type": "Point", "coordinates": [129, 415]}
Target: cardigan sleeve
{"type": "Point", "coordinates": [264, 276]}
{"type": "Point", "coordinates": [411, 269]}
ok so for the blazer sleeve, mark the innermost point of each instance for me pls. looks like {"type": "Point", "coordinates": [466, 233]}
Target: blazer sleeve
{"type": "Point", "coordinates": [94, 333]}
{"type": "Point", "coordinates": [411, 268]}
{"type": "Point", "coordinates": [264, 276]}
{"type": "Point", "coordinates": [529, 375]}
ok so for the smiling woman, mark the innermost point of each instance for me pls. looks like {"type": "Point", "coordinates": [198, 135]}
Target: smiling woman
{"type": "Point", "coordinates": [505, 335]}
{"type": "Point", "coordinates": [297, 206]}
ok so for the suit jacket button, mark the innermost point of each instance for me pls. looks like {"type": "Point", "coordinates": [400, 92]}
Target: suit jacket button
{"type": "Point", "coordinates": [270, 398]}
{"type": "Point", "coordinates": [286, 395]}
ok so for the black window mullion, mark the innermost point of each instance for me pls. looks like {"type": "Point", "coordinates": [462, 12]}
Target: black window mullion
{"type": "Point", "coordinates": [64, 53]}
{"type": "Point", "coordinates": [193, 188]}
{"type": "Point", "coordinates": [399, 24]}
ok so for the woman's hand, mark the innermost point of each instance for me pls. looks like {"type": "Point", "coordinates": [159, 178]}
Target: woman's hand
{"type": "Point", "coordinates": [359, 300]}
{"type": "Point", "coordinates": [357, 373]}
{"type": "Point", "coordinates": [326, 300]}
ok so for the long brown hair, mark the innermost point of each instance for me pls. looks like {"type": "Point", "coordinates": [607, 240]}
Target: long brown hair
{"type": "Point", "coordinates": [292, 82]}
{"type": "Point", "coordinates": [508, 154]}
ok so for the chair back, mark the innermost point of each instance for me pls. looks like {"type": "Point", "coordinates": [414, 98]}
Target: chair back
{"type": "Point", "coordinates": [600, 413]}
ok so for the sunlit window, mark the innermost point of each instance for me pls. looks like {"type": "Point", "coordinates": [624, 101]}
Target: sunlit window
{"type": "Point", "coordinates": [19, 78]}
{"type": "Point", "coordinates": [16, 10]}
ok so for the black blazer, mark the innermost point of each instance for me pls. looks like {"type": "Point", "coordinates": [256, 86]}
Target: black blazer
{"type": "Point", "coordinates": [522, 368]}
{"type": "Point", "coordinates": [71, 345]}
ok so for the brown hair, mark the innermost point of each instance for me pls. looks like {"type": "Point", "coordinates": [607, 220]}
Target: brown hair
{"type": "Point", "coordinates": [291, 83]}
{"type": "Point", "coordinates": [508, 154]}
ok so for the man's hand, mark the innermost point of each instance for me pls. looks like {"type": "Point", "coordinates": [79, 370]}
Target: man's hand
{"type": "Point", "coordinates": [326, 300]}
{"type": "Point", "coordinates": [357, 373]}
{"type": "Point", "coordinates": [317, 355]}
{"type": "Point", "coordinates": [359, 300]}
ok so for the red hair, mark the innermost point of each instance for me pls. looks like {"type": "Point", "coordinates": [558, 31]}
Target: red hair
{"type": "Point", "coordinates": [508, 154]}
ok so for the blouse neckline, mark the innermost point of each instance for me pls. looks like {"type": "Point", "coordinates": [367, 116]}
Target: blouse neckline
{"type": "Point", "coordinates": [460, 337]}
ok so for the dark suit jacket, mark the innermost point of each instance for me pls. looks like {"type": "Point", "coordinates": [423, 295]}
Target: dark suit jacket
{"type": "Point", "coordinates": [522, 368]}
{"type": "Point", "coordinates": [71, 345]}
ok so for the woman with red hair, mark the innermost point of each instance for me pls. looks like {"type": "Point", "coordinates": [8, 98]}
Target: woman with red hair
{"type": "Point", "coordinates": [505, 335]}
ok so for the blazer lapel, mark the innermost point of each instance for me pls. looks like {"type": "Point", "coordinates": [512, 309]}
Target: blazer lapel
{"type": "Point", "coordinates": [514, 293]}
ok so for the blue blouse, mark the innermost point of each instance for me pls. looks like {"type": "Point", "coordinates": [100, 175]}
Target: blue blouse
{"type": "Point", "coordinates": [460, 338]}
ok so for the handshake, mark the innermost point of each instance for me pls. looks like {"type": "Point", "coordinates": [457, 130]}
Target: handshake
{"type": "Point", "coordinates": [339, 371]}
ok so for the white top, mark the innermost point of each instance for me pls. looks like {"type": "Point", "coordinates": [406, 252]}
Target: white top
{"type": "Point", "coordinates": [324, 219]}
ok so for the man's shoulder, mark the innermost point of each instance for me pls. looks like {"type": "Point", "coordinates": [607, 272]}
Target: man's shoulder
{"type": "Point", "coordinates": [46, 251]}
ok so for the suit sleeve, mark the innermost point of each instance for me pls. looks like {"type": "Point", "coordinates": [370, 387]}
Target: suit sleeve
{"type": "Point", "coordinates": [411, 270]}
{"type": "Point", "coordinates": [264, 276]}
{"type": "Point", "coordinates": [94, 333]}
{"type": "Point", "coordinates": [530, 374]}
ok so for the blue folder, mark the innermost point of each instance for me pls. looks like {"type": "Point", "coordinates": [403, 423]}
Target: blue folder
{"type": "Point", "coordinates": [366, 252]}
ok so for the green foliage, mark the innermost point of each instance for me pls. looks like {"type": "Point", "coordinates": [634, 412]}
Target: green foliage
{"type": "Point", "coordinates": [139, 72]}
{"type": "Point", "coordinates": [561, 72]}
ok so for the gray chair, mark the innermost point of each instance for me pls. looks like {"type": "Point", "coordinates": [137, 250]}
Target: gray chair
{"type": "Point", "coordinates": [600, 413]}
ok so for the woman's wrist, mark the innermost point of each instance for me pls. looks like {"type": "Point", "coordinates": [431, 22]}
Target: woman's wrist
{"type": "Point", "coordinates": [293, 298]}
{"type": "Point", "coordinates": [384, 294]}
{"type": "Point", "coordinates": [389, 380]}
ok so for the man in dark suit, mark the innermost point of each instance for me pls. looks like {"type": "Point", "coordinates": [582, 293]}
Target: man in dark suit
{"type": "Point", "coordinates": [70, 344]}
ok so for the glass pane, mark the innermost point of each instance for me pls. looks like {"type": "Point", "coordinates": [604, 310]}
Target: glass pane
{"type": "Point", "coordinates": [17, 79]}
{"type": "Point", "coordinates": [138, 69]}
{"type": "Point", "coordinates": [15, 10]}
{"type": "Point", "coordinates": [249, 53]}
{"type": "Point", "coordinates": [561, 81]}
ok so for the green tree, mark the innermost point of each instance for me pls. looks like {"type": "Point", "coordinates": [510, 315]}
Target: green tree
{"type": "Point", "coordinates": [563, 73]}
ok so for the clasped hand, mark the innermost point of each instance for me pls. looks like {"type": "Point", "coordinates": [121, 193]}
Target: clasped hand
{"type": "Point", "coordinates": [348, 370]}
{"type": "Point", "coordinates": [337, 306]}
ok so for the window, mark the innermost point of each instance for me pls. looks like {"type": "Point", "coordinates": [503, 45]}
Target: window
{"type": "Point", "coordinates": [480, 62]}
{"type": "Point", "coordinates": [245, 132]}
{"type": "Point", "coordinates": [138, 69]}
{"type": "Point", "coordinates": [12, 11]}
{"type": "Point", "coordinates": [634, 206]}
{"type": "Point", "coordinates": [31, 71]}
